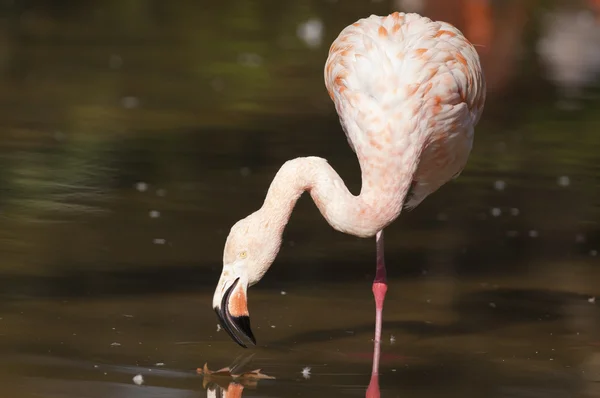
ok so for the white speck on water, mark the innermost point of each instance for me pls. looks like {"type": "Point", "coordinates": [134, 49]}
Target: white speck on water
{"type": "Point", "coordinates": [592, 300]}
{"type": "Point", "coordinates": [130, 102]}
{"type": "Point", "coordinates": [115, 344]}
{"type": "Point", "coordinates": [283, 292]}
{"type": "Point", "coordinates": [159, 364]}
{"type": "Point", "coordinates": [161, 192]}
{"type": "Point", "coordinates": [499, 185]}
{"type": "Point", "coordinates": [159, 241]}
{"type": "Point", "coordinates": [306, 372]}
{"type": "Point", "coordinates": [392, 339]}
{"type": "Point", "coordinates": [141, 186]}
{"type": "Point", "coordinates": [95, 366]}
{"type": "Point", "coordinates": [496, 212]}
{"type": "Point", "coordinates": [492, 305]}
{"type": "Point", "coordinates": [115, 61]}
{"type": "Point", "coordinates": [514, 211]}
{"type": "Point", "coordinates": [593, 253]}
{"type": "Point", "coordinates": [218, 327]}
{"type": "Point", "coordinates": [563, 181]}
{"type": "Point", "coordinates": [128, 316]}
{"type": "Point", "coordinates": [393, 370]}
{"type": "Point", "coordinates": [273, 326]}
{"type": "Point", "coordinates": [311, 32]}
{"type": "Point", "coordinates": [245, 171]}
{"type": "Point", "coordinates": [138, 379]}
{"type": "Point", "coordinates": [250, 59]}
{"type": "Point", "coordinates": [533, 233]}
{"type": "Point", "coordinates": [154, 214]}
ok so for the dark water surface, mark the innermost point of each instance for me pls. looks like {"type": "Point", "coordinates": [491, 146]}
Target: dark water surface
{"type": "Point", "coordinates": [133, 134]}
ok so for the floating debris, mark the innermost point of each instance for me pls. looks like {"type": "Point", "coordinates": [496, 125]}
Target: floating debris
{"type": "Point", "coordinates": [159, 364]}
{"type": "Point", "coordinates": [159, 241]}
{"type": "Point", "coordinates": [141, 186]}
{"type": "Point", "coordinates": [496, 212]}
{"type": "Point", "coordinates": [392, 339]}
{"type": "Point", "coordinates": [283, 292]}
{"type": "Point", "coordinates": [533, 233]}
{"type": "Point", "coordinates": [225, 375]}
{"type": "Point", "coordinates": [154, 214]}
{"type": "Point", "coordinates": [499, 185]}
{"type": "Point", "coordinates": [218, 327]}
{"type": "Point", "coordinates": [115, 344]}
{"type": "Point", "coordinates": [592, 300]}
{"type": "Point", "coordinates": [563, 181]}
{"type": "Point", "coordinates": [306, 372]}
{"type": "Point", "coordinates": [138, 379]}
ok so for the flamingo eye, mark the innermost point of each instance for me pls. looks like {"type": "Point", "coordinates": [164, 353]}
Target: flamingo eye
{"type": "Point", "coordinates": [243, 254]}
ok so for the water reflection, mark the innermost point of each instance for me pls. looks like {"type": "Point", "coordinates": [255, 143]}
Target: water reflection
{"type": "Point", "coordinates": [232, 380]}
{"type": "Point", "coordinates": [232, 390]}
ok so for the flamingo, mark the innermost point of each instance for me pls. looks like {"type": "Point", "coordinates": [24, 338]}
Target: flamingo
{"type": "Point", "coordinates": [409, 92]}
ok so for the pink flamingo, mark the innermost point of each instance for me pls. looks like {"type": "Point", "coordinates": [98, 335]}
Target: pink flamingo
{"type": "Point", "coordinates": [409, 92]}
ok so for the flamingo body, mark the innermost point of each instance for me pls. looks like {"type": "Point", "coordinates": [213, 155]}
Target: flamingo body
{"type": "Point", "coordinates": [403, 83]}
{"type": "Point", "coordinates": [409, 92]}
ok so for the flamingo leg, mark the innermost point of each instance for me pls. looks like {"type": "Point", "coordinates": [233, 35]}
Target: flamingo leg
{"type": "Point", "coordinates": [379, 290]}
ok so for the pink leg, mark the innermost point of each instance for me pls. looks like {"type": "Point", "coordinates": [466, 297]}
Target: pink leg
{"type": "Point", "coordinates": [379, 290]}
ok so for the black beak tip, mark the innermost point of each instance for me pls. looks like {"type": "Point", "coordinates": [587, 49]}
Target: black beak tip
{"type": "Point", "coordinates": [243, 324]}
{"type": "Point", "coordinates": [236, 326]}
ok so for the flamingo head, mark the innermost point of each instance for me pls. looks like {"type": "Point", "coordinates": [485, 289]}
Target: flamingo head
{"type": "Point", "coordinates": [250, 249]}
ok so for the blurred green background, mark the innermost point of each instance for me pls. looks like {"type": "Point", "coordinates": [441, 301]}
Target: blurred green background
{"type": "Point", "coordinates": [134, 133]}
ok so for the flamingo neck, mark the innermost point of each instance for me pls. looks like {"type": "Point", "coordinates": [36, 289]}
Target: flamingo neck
{"type": "Point", "coordinates": [379, 203]}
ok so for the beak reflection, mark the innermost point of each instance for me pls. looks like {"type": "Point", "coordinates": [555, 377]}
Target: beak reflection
{"type": "Point", "coordinates": [238, 327]}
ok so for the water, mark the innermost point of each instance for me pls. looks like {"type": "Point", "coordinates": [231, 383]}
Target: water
{"type": "Point", "coordinates": [134, 134]}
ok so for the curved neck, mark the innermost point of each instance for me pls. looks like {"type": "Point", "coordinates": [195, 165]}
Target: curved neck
{"type": "Point", "coordinates": [384, 187]}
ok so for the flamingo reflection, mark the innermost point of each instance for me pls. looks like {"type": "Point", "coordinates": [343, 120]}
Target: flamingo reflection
{"type": "Point", "coordinates": [231, 381]}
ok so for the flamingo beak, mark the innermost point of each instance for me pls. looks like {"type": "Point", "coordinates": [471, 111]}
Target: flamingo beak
{"type": "Point", "coordinates": [233, 314]}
